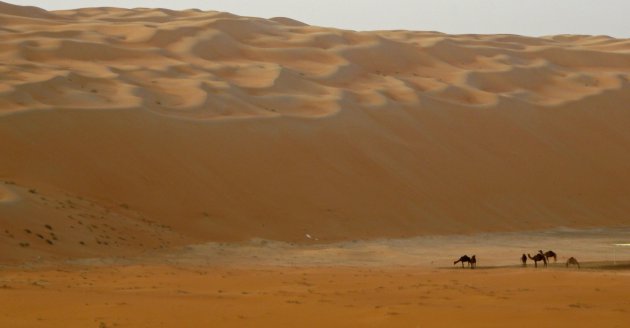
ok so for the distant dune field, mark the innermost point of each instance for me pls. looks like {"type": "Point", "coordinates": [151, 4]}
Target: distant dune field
{"type": "Point", "coordinates": [123, 130]}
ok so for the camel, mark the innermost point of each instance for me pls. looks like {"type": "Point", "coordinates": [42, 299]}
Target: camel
{"type": "Point", "coordinates": [573, 261]}
{"type": "Point", "coordinates": [463, 259]}
{"type": "Point", "coordinates": [549, 254]}
{"type": "Point", "coordinates": [524, 259]}
{"type": "Point", "coordinates": [538, 257]}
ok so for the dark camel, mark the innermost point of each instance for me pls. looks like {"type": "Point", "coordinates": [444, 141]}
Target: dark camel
{"type": "Point", "coordinates": [538, 257]}
{"type": "Point", "coordinates": [549, 254]}
{"type": "Point", "coordinates": [524, 259]}
{"type": "Point", "coordinates": [573, 261]}
{"type": "Point", "coordinates": [463, 259]}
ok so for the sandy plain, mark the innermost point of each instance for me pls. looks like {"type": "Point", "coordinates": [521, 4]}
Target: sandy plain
{"type": "Point", "coordinates": [166, 296]}
{"type": "Point", "coordinates": [384, 283]}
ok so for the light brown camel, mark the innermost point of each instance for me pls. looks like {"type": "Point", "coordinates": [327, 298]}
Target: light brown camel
{"type": "Point", "coordinates": [538, 257]}
{"type": "Point", "coordinates": [463, 259]}
{"type": "Point", "coordinates": [549, 254]}
{"type": "Point", "coordinates": [573, 261]}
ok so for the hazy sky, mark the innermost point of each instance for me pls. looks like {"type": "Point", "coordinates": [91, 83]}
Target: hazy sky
{"type": "Point", "coordinates": [528, 17]}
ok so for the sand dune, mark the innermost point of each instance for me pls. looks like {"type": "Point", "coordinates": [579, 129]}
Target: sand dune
{"type": "Point", "coordinates": [58, 226]}
{"type": "Point", "coordinates": [223, 127]}
{"type": "Point", "coordinates": [112, 57]}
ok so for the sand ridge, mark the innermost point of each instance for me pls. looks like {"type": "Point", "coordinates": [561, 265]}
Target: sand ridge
{"type": "Point", "coordinates": [212, 65]}
{"type": "Point", "coordinates": [39, 227]}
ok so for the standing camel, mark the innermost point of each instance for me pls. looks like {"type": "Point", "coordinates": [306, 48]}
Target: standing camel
{"type": "Point", "coordinates": [463, 259]}
{"type": "Point", "coordinates": [549, 254]}
{"type": "Point", "coordinates": [573, 261]}
{"type": "Point", "coordinates": [538, 257]}
{"type": "Point", "coordinates": [473, 262]}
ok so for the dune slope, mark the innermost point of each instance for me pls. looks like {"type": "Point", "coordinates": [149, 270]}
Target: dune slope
{"type": "Point", "coordinates": [219, 127]}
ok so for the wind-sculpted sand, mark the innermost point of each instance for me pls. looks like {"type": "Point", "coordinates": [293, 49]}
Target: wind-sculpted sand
{"type": "Point", "coordinates": [211, 65]}
{"type": "Point", "coordinates": [229, 128]}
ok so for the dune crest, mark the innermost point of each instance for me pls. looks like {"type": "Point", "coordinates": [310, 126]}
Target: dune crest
{"type": "Point", "coordinates": [7, 9]}
{"type": "Point", "coordinates": [208, 65]}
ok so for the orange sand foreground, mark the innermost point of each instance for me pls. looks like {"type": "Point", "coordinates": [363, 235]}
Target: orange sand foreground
{"type": "Point", "coordinates": [165, 168]}
{"type": "Point", "coordinates": [386, 283]}
{"type": "Point", "coordinates": [167, 296]}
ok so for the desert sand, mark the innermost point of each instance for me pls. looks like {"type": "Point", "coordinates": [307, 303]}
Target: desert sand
{"type": "Point", "coordinates": [186, 168]}
{"type": "Point", "coordinates": [376, 283]}
{"type": "Point", "coordinates": [163, 296]}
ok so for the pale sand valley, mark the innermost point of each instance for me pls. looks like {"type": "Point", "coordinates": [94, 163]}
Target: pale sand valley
{"type": "Point", "coordinates": [164, 168]}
